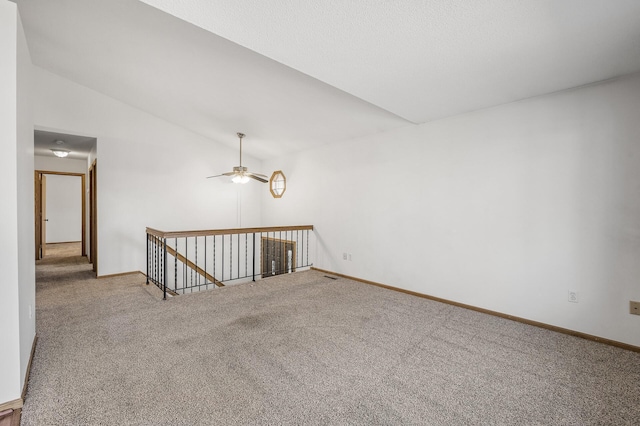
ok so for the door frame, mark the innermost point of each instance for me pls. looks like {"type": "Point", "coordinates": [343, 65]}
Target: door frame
{"type": "Point", "coordinates": [39, 208]}
{"type": "Point", "coordinates": [93, 215]}
{"type": "Point", "coordinates": [40, 204]}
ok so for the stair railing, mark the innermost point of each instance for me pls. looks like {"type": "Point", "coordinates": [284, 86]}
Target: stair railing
{"type": "Point", "coordinates": [187, 261]}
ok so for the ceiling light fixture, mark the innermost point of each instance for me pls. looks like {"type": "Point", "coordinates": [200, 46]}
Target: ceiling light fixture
{"type": "Point", "coordinates": [240, 174]}
{"type": "Point", "coordinates": [240, 179]}
{"type": "Point", "coordinates": [60, 152]}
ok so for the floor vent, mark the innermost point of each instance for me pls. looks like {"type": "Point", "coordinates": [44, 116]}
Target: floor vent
{"type": "Point", "coordinates": [331, 278]}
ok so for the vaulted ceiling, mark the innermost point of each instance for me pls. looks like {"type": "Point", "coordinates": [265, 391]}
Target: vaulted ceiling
{"type": "Point", "coordinates": [292, 74]}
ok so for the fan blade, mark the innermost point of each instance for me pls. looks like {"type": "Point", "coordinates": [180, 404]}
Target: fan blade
{"type": "Point", "coordinates": [224, 174]}
{"type": "Point", "coordinates": [258, 178]}
{"type": "Point", "coordinates": [260, 174]}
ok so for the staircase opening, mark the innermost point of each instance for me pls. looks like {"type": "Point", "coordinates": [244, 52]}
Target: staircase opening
{"type": "Point", "coordinates": [180, 262]}
{"type": "Point", "coordinates": [278, 256]}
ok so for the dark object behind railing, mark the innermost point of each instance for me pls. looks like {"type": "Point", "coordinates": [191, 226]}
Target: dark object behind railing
{"type": "Point", "coordinates": [207, 259]}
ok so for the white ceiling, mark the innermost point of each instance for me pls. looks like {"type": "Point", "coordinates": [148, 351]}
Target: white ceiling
{"type": "Point", "coordinates": [427, 59]}
{"type": "Point", "coordinates": [79, 147]}
{"type": "Point", "coordinates": [292, 74]}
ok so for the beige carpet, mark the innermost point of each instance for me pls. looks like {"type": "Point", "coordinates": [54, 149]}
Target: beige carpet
{"type": "Point", "coordinates": [62, 254]}
{"type": "Point", "coordinates": [305, 349]}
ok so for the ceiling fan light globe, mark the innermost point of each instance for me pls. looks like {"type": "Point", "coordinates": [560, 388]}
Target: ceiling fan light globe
{"type": "Point", "coordinates": [240, 179]}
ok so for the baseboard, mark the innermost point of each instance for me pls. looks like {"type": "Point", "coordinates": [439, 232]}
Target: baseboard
{"type": "Point", "coordinates": [495, 313]}
{"type": "Point", "coordinates": [121, 274]}
{"type": "Point", "coordinates": [16, 404]}
{"type": "Point", "coordinates": [28, 372]}
{"type": "Point", "coordinates": [9, 415]}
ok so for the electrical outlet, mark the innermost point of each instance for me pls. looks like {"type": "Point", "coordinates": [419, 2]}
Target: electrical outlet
{"type": "Point", "coordinates": [344, 256]}
{"type": "Point", "coordinates": [349, 257]}
{"type": "Point", "coordinates": [573, 296]}
{"type": "Point", "coordinates": [634, 307]}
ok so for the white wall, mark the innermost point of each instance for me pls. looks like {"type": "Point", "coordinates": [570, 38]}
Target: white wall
{"type": "Point", "coordinates": [149, 172]}
{"type": "Point", "coordinates": [9, 292]}
{"type": "Point", "coordinates": [55, 164]}
{"type": "Point", "coordinates": [26, 219]}
{"type": "Point", "coordinates": [17, 287]}
{"type": "Point", "coordinates": [64, 208]}
{"type": "Point", "coordinates": [506, 208]}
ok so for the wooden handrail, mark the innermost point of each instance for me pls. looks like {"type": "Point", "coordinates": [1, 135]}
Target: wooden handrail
{"type": "Point", "coordinates": [193, 266]}
{"type": "Point", "coordinates": [178, 234]}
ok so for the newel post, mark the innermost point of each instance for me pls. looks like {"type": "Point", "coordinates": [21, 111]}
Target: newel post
{"type": "Point", "coordinates": [164, 262]}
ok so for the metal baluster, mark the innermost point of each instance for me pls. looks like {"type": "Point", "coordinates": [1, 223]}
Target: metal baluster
{"type": "Point", "coordinates": [190, 278]}
{"type": "Point", "coordinates": [281, 253]}
{"type": "Point", "coordinates": [164, 263]}
{"type": "Point", "coordinates": [184, 266]}
{"type": "Point", "coordinates": [151, 251]}
{"type": "Point", "coordinates": [222, 279]}
{"type": "Point", "coordinates": [307, 248]}
{"type": "Point", "coordinates": [214, 257]}
{"type": "Point", "coordinates": [206, 284]}
{"type": "Point", "coordinates": [151, 266]}
{"type": "Point", "coordinates": [290, 261]}
{"type": "Point", "coordinates": [155, 261]}
{"type": "Point", "coordinates": [147, 258]}
{"type": "Point", "coordinates": [197, 274]}
{"type": "Point", "coordinates": [253, 270]}
{"type": "Point", "coordinates": [267, 266]}
{"type": "Point", "coordinates": [246, 249]}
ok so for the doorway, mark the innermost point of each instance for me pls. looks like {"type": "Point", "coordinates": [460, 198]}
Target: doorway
{"type": "Point", "coordinates": [41, 218]}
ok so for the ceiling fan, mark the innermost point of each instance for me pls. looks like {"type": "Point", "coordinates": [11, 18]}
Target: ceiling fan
{"type": "Point", "coordinates": [241, 174]}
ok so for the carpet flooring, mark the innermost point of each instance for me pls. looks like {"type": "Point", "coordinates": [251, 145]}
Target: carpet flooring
{"type": "Point", "coordinates": [305, 349]}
